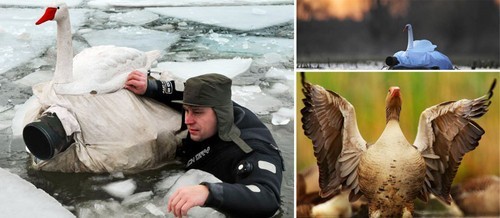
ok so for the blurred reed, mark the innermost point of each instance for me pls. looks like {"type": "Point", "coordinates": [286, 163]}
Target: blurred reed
{"type": "Point", "coordinates": [420, 90]}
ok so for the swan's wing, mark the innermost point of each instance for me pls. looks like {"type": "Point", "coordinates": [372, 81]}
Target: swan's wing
{"type": "Point", "coordinates": [152, 56]}
{"type": "Point", "coordinates": [329, 121]}
{"type": "Point", "coordinates": [104, 69]}
{"type": "Point", "coordinates": [445, 133]}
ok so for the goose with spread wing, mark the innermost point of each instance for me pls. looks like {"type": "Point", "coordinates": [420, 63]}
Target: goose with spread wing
{"type": "Point", "coordinates": [392, 172]}
{"type": "Point", "coordinates": [419, 54]}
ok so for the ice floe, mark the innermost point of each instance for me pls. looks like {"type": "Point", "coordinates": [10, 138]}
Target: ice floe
{"type": "Point", "coordinates": [278, 89]}
{"type": "Point", "coordinates": [35, 78]}
{"type": "Point", "coordinates": [245, 45]}
{"type": "Point", "coordinates": [103, 4]}
{"type": "Point", "coordinates": [22, 41]}
{"type": "Point", "coordinates": [133, 37]}
{"type": "Point", "coordinates": [280, 74]}
{"type": "Point", "coordinates": [190, 178]}
{"type": "Point", "coordinates": [283, 116]}
{"type": "Point", "coordinates": [249, 95]}
{"type": "Point", "coordinates": [121, 189]}
{"type": "Point", "coordinates": [19, 198]}
{"type": "Point", "coordinates": [137, 198]}
{"type": "Point", "coordinates": [235, 17]}
{"type": "Point", "coordinates": [70, 3]}
{"type": "Point", "coordinates": [138, 17]}
{"type": "Point", "coordinates": [152, 202]}
{"type": "Point", "coordinates": [228, 67]}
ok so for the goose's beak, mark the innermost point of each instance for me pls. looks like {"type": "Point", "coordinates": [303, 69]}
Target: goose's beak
{"type": "Point", "coordinates": [50, 13]}
{"type": "Point", "coordinates": [395, 92]}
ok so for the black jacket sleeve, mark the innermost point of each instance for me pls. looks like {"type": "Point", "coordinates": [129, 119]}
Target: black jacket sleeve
{"type": "Point", "coordinates": [256, 194]}
{"type": "Point", "coordinates": [164, 91]}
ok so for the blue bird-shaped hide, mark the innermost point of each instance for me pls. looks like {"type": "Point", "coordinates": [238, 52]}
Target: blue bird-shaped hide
{"type": "Point", "coordinates": [419, 54]}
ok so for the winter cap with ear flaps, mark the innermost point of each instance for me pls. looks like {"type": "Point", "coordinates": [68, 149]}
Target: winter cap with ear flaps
{"type": "Point", "coordinates": [214, 90]}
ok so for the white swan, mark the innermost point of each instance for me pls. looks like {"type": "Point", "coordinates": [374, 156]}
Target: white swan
{"type": "Point", "coordinates": [111, 129]}
{"type": "Point", "coordinates": [419, 54]}
{"type": "Point", "coordinates": [422, 45]}
{"type": "Point", "coordinates": [98, 69]}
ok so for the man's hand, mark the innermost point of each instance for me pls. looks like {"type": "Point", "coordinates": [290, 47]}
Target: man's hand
{"type": "Point", "coordinates": [187, 197]}
{"type": "Point", "coordinates": [137, 82]}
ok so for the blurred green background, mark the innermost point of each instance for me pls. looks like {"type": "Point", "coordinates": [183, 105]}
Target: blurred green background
{"type": "Point", "coordinates": [420, 90]}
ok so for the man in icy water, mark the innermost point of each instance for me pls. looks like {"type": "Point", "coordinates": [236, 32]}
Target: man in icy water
{"type": "Point", "coordinates": [224, 139]}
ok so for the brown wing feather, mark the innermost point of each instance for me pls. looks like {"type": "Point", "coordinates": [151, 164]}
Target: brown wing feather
{"type": "Point", "coordinates": [324, 123]}
{"type": "Point", "coordinates": [446, 133]}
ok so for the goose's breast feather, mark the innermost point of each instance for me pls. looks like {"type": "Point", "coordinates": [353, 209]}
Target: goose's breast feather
{"type": "Point", "coordinates": [397, 171]}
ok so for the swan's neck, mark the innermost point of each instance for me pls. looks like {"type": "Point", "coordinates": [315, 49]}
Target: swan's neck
{"type": "Point", "coordinates": [64, 63]}
{"type": "Point", "coordinates": [410, 39]}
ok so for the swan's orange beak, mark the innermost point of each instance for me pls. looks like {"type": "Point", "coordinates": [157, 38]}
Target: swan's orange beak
{"type": "Point", "coordinates": [50, 13]}
{"type": "Point", "coordinates": [405, 29]}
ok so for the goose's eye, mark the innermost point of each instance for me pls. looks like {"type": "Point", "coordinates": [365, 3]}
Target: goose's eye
{"type": "Point", "coordinates": [58, 7]}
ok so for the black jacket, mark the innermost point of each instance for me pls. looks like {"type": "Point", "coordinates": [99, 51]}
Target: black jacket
{"type": "Point", "coordinates": [251, 182]}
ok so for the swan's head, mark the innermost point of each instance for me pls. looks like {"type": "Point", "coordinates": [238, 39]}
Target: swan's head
{"type": "Point", "coordinates": [407, 28]}
{"type": "Point", "coordinates": [393, 103]}
{"type": "Point", "coordinates": [54, 12]}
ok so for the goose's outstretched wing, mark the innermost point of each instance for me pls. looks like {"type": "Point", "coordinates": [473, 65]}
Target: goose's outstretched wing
{"type": "Point", "coordinates": [329, 121]}
{"type": "Point", "coordinates": [445, 133]}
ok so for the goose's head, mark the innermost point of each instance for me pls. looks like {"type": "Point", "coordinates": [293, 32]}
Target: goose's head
{"type": "Point", "coordinates": [54, 12]}
{"type": "Point", "coordinates": [407, 28]}
{"type": "Point", "coordinates": [393, 104]}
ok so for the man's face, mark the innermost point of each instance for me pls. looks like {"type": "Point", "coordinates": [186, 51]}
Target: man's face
{"type": "Point", "coordinates": [201, 122]}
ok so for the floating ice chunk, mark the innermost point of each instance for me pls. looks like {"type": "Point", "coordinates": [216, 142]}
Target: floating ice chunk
{"type": "Point", "coordinates": [195, 177]}
{"type": "Point", "coordinates": [99, 208]}
{"type": "Point", "coordinates": [22, 41]}
{"type": "Point", "coordinates": [7, 112]}
{"type": "Point", "coordinates": [162, 3]}
{"type": "Point", "coordinates": [284, 79]}
{"type": "Point", "coordinates": [228, 67]}
{"type": "Point", "coordinates": [254, 99]}
{"type": "Point", "coordinates": [246, 45]}
{"type": "Point", "coordinates": [282, 116]}
{"type": "Point", "coordinates": [258, 11]}
{"type": "Point", "coordinates": [274, 58]}
{"type": "Point", "coordinates": [20, 198]}
{"type": "Point", "coordinates": [121, 189]}
{"type": "Point", "coordinates": [278, 88]}
{"type": "Point", "coordinates": [70, 3]}
{"type": "Point", "coordinates": [4, 124]}
{"type": "Point", "coordinates": [137, 198]}
{"type": "Point", "coordinates": [153, 209]}
{"type": "Point", "coordinates": [118, 175]}
{"type": "Point", "coordinates": [35, 78]}
{"type": "Point", "coordinates": [18, 122]}
{"type": "Point", "coordinates": [167, 183]}
{"type": "Point", "coordinates": [133, 37]}
{"type": "Point", "coordinates": [241, 17]}
{"type": "Point", "coordinates": [137, 17]}
{"type": "Point", "coordinates": [280, 74]}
